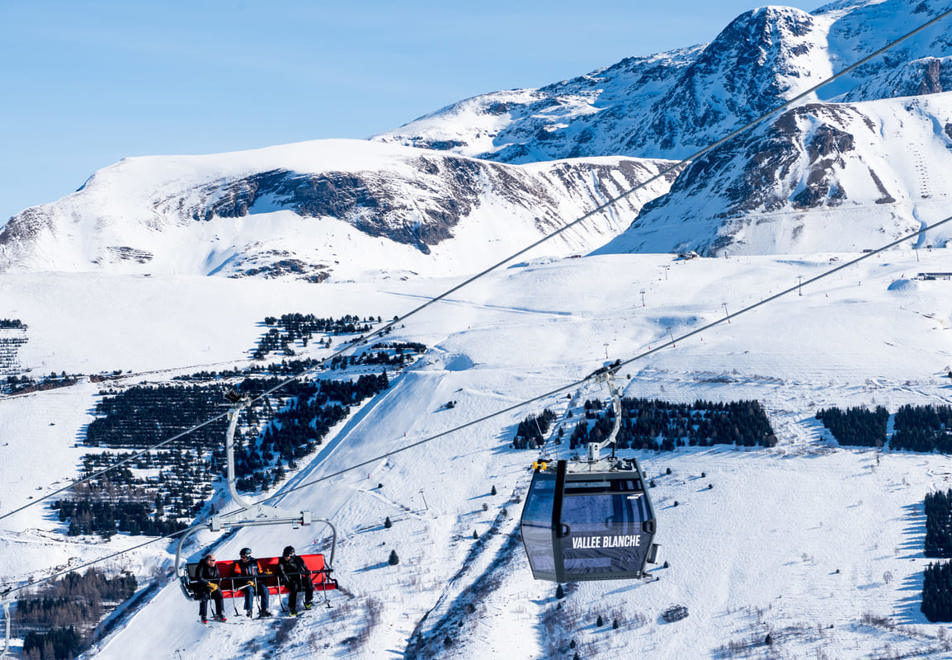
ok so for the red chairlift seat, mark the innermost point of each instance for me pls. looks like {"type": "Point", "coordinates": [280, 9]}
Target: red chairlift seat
{"type": "Point", "coordinates": [231, 583]}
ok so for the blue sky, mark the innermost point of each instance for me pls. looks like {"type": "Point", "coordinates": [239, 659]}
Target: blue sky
{"type": "Point", "coordinates": [87, 83]}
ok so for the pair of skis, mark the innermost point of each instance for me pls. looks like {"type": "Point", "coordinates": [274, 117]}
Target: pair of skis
{"type": "Point", "coordinates": [233, 622]}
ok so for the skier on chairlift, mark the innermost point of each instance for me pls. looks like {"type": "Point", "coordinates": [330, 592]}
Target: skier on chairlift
{"type": "Point", "coordinates": [247, 566]}
{"type": "Point", "coordinates": [208, 578]}
{"type": "Point", "coordinates": [297, 576]}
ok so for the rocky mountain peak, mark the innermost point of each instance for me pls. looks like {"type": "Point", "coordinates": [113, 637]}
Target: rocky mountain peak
{"type": "Point", "coordinates": [762, 58]}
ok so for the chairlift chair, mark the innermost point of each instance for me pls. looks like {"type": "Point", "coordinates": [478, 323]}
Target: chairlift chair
{"type": "Point", "coordinates": [592, 519]}
{"type": "Point", "coordinates": [232, 585]}
{"type": "Point", "coordinates": [252, 514]}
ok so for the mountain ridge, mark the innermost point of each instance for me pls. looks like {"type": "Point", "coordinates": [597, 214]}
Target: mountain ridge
{"type": "Point", "coordinates": [669, 104]}
{"type": "Point", "coordinates": [414, 188]}
{"type": "Point", "coordinates": [295, 210]}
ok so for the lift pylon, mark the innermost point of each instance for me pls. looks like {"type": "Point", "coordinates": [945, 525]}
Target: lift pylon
{"type": "Point", "coordinates": [5, 599]}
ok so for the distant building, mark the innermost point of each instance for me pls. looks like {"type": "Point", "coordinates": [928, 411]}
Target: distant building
{"type": "Point", "coordinates": [934, 276]}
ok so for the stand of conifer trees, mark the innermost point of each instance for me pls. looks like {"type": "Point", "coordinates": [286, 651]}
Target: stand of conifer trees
{"type": "Point", "coordinates": [916, 428]}
{"type": "Point", "coordinates": [663, 425]}
{"type": "Point", "coordinates": [938, 508]}
{"type": "Point", "coordinates": [60, 617]}
{"type": "Point", "coordinates": [937, 592]}
{"type": "Point", "coordinates": [937, 579]}
{"type": "Point", "coordinates": [923, 428]}
{"type": "Point", "coordinates": [531, 431]}
{"type": "Point", "coordinates": [145, 415]}
{"type": "Point", "coordinates": [290, 328]}
{"type": "Point", "coordinates": [856, 426]}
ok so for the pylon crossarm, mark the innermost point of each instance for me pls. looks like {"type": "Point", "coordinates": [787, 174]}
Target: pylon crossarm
{"type": "Point", "coordinates": [258, 514]}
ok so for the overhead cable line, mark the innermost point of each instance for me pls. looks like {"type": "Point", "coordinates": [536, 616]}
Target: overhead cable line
{"type": "Point", "coordinates": [618, 364]}
{"type": "Point", "coordinates": [379, 332]}
{"type": "Point", "coordinates": [614, 367]}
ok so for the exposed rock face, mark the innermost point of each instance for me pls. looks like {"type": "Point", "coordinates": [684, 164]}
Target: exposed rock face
{"type": "Point", "coordinates": [665, 106]}
{"type": "Point", "coordinates": [423, 211]}
{"type": "Point", "coordinates": [875, 168]}
{"type": "Point", "coordinates": [929, 75]}
{"type": "Point", "coordinates": [372, 201]}
{"type": "Point", "coordinates": [290, 222]}
{"type": "Point", "coordinates": [762, 57]}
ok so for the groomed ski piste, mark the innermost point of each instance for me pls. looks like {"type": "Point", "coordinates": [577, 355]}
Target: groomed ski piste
{"type": "Point", "coordinates": [819, 546]}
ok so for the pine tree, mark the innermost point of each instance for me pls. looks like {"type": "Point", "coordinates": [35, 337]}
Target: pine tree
{"type": "Point", "coordinates": [394, 560]}
{"type": "Point", "coordinates": [559, 592]}
{"type": "Point", "coordinates": [387, 523]}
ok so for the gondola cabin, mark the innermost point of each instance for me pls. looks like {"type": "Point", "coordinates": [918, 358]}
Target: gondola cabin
{"type": "Point", "coordinates": [588, 522]}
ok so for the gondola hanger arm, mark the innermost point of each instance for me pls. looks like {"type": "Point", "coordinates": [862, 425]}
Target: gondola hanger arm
{"type": "Point", "coordinates": [607, 375]}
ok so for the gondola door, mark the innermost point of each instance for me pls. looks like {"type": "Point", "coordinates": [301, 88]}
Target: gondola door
{"type": "Point", "coordinates": [606, 526]}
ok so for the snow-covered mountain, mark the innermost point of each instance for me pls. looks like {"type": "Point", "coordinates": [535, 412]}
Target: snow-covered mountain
{"type": "Point", "coordinates": [435, 195]}
{"type": "Point", "coordinates": [671, 104]}
{"type": "Point", "coordinates": [313, 209]}
{"type": "Point", "coordinates": [823, 176]}
{"type": "Point", "coordinates": [804, 549]}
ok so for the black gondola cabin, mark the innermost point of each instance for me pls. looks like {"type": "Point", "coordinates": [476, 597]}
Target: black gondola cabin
{"type": "Point", "coordinates": [588, 524]}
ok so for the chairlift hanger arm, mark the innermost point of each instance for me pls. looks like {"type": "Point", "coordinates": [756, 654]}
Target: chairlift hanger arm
{"type": "Point", "coordinates": [250, 514]}
{"type": "Point", "coordinates": [252, 511]}
{"type": "Point", "coordinates": [239, 404]}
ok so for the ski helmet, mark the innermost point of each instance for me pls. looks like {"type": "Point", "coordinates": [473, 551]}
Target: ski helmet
{"type": "Point", "coordinates": [245, 552]}
{"type": "Point", "coordinates": [288, 551]}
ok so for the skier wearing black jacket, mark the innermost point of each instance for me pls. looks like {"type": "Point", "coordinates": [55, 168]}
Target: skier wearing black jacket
{"type": "Point", "coordinates": [247, 567]}
{"type": "Point", "coordinates": [295, 574]}
{"type": "Point", "coordinates": [209, 580]}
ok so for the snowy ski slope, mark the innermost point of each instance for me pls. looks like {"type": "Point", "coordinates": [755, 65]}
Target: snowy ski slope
{"type": "Point", "coordinates": [815, 544]}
